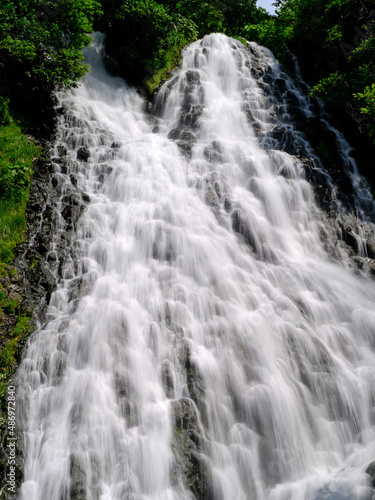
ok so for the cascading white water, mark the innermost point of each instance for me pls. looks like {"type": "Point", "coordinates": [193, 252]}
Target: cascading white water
{"type": "Point", "coordinates": [201, 342]}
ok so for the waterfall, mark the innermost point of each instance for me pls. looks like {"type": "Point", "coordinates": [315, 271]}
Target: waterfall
{"type": "Point", "coordinates": [209, 336]}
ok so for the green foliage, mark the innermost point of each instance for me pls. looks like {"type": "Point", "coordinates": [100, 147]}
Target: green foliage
{"type": "Point", "coordinates": [16, 157]}
{"type": "Point", "coordinates": [335, 45]}
{"type": "Point", "coordinates": [268, 33]}
{"type": "Point", "coordinates": [8, 355]}
{"type": "Point", "coordinates": [146, 36]}
{"type": "Point", "coordinates": [40, 48]}
{"type": "Point", "coordinates": [47, 37]}
{"type": "Point", "coordinates": [10, 307]}
{"type": "Point", "coordinates": [4, 112]}
{"type": "Point", "coordinates": [367, 98]}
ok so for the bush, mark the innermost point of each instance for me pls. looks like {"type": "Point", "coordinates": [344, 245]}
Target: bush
{"type": "Point", "coordinates": [4, 112]}
{"type": "Point", "coordinates": [16, 157]}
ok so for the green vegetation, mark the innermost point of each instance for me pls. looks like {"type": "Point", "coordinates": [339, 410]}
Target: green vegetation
{"type": "Point", "coordinates": [9, 354]}
{"type": "Point", "coordinates": [16, 158]}
{"type": "Point", "coordinates": [40, 47]}
{"type": "Point", "coordinates": [146, 36]}
{"type": "Point", "coordinates": [367, 99]}
{"type": "Point", "coordinates": [335, 44]}
{"type": "Point", "coordinates": [332, 39]}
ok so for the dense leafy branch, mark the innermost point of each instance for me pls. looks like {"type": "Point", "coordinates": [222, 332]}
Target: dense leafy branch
{"type": "Point", "coordinates": [335, 44]}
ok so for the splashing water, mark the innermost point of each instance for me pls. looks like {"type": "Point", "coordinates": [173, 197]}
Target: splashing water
{"type": "Point", "coordinates": [201, 342]}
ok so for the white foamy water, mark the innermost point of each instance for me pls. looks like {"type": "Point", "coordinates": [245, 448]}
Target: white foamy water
{"type": "Point", "coordinates": [197, 277]}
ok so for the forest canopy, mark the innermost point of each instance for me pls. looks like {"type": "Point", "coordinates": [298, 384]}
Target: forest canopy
{"type": "Point", "coordinates": [41, 43]}
{"type": "Point", "coordinates": [335, 45]}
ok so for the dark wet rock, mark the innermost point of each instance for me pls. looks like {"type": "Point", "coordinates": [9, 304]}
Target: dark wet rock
{"type": "Point", "coordinates": [279, 84]}
{"type": "Point", "coordinates": [291, 97]}
{"type": "Point", "coordinates": [371, 473]}
{"type": "Point", "coordinates": [189, 117]}
{"type": "Point", "coordinates": [285, 139]}
{"type": "Point", "coordinates": [71, 214]}
{"type": "Point", "coordinates": [73, 179]}
{"type": "Point", "coordinates": [185, 139]}
{"type": "Point", "coordinates": [141, 91]}
{"type": "Point", "coordinates": [116, 144]}
{"type": "Point", "coordinates": [71, 199]}
{"type": "Point", "coordinates": [185, 149]}
{"type": "Point", "coordinates": [350, 237]}
{"type": "Point", "coordinates": [192, 77]}
{"type": "Point", "coordinates": [319, 180]}
{"type": "Point", "coordinates": [194, 381]}
{"type": "Point", "coordinates": [83, 153]}
{"type": "Point", "coordinates": [256, 69]}
{"type": "Point", "coordinates": [78, 478]}
{"type": "Point", "coordinates": [227, 205]}
{"type": "Point", "coordinates": [211, 197]}
{"type": "Point", "coordinates": [55, 182]}
{"type": "Point", "coordinates": [167, 379]}
{"type": "Point", "coordinates": [189, 465]}
{"type": "Point", "coordinates": [62, 150]}
{"type": "Point", "coordinates": [183, 134]}
{"type": "Point", "coordinates": [126, 403]}
{"type": "Point", "coordinates": [240, 225]}
{"type": "Point", "coordinates": [175, 133]}
{"type": "Point", "coordinates": [85, 197]}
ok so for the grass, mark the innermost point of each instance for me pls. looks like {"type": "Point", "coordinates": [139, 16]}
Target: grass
{"type": "Point", "coordinates": [171, 61]}
{"type": "Point", "coordinates": [16, 158]}
{"type": "Point", "coordinates": [17, 154]}
{"type": "Point", "coordinates": [8, 355]}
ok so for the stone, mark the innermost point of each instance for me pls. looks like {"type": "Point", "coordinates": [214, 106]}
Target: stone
{"type": "Point", "coordinates": [83, 153]}
{"type": "Point", "coordinates": [371, 473]}
{"type": "Point", "coordinates": [77, 479]}
{"type": "Point", "coordinates": [189, 464]}
{"type": "Point", "coordinates": [167, 379]}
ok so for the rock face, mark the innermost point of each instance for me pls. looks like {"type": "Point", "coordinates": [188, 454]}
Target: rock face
{"type": "Point", "coordinates": [38, 262]}
{"type": "Point", "coordinates": [189, 467]}
{"type": "Point", "coordinates": [77, 479]}
{"type": "Point", "coordinates": [371, 473]}
{"type": "Point", "coordinates": [83, 153]}
{"type": "Point", "coordinates": [33, 276]}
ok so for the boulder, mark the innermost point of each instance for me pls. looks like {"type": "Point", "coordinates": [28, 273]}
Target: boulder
{"type": "Point", "coordinates": [83, 153]}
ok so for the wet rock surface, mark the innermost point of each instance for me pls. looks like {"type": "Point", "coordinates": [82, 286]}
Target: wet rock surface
{"type": "Point", "coordinates": [370, 471]}
{"type": "Point", "coordinates": [189, 466]}
{"type": "Point", "coordinates": [83, 153]}
{"type": "Point", "coordinates": [48, 214]}
{"type": "Point", "coordinates": [37, 265]}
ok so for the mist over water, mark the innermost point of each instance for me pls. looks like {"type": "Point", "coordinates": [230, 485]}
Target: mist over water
{"type": "Point", "coordinates": [203, 341]}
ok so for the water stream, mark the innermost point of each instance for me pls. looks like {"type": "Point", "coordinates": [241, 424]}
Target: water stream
{"type": "Point", "coordinates": [203, 341]}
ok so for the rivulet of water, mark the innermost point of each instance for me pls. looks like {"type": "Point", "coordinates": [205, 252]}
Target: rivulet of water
{"type": "Point", "coordinates": [202, 342]}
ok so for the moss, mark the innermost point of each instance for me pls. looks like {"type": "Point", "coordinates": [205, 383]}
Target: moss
{"type": "Point", "coordinates": [10, 352]}
{"type": "Point", "coordinates": [10, 307]}
{"type": "Point", "coordinates": [171, 61]}
{"type": "Point", "coordinates": [2, 295]}
{"type": "Point", "coordinates": [17, 154]}
{"type": "Point", "coordinates": [16, 157]}
{"type": "Point", "coordinates": [241, 39]}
